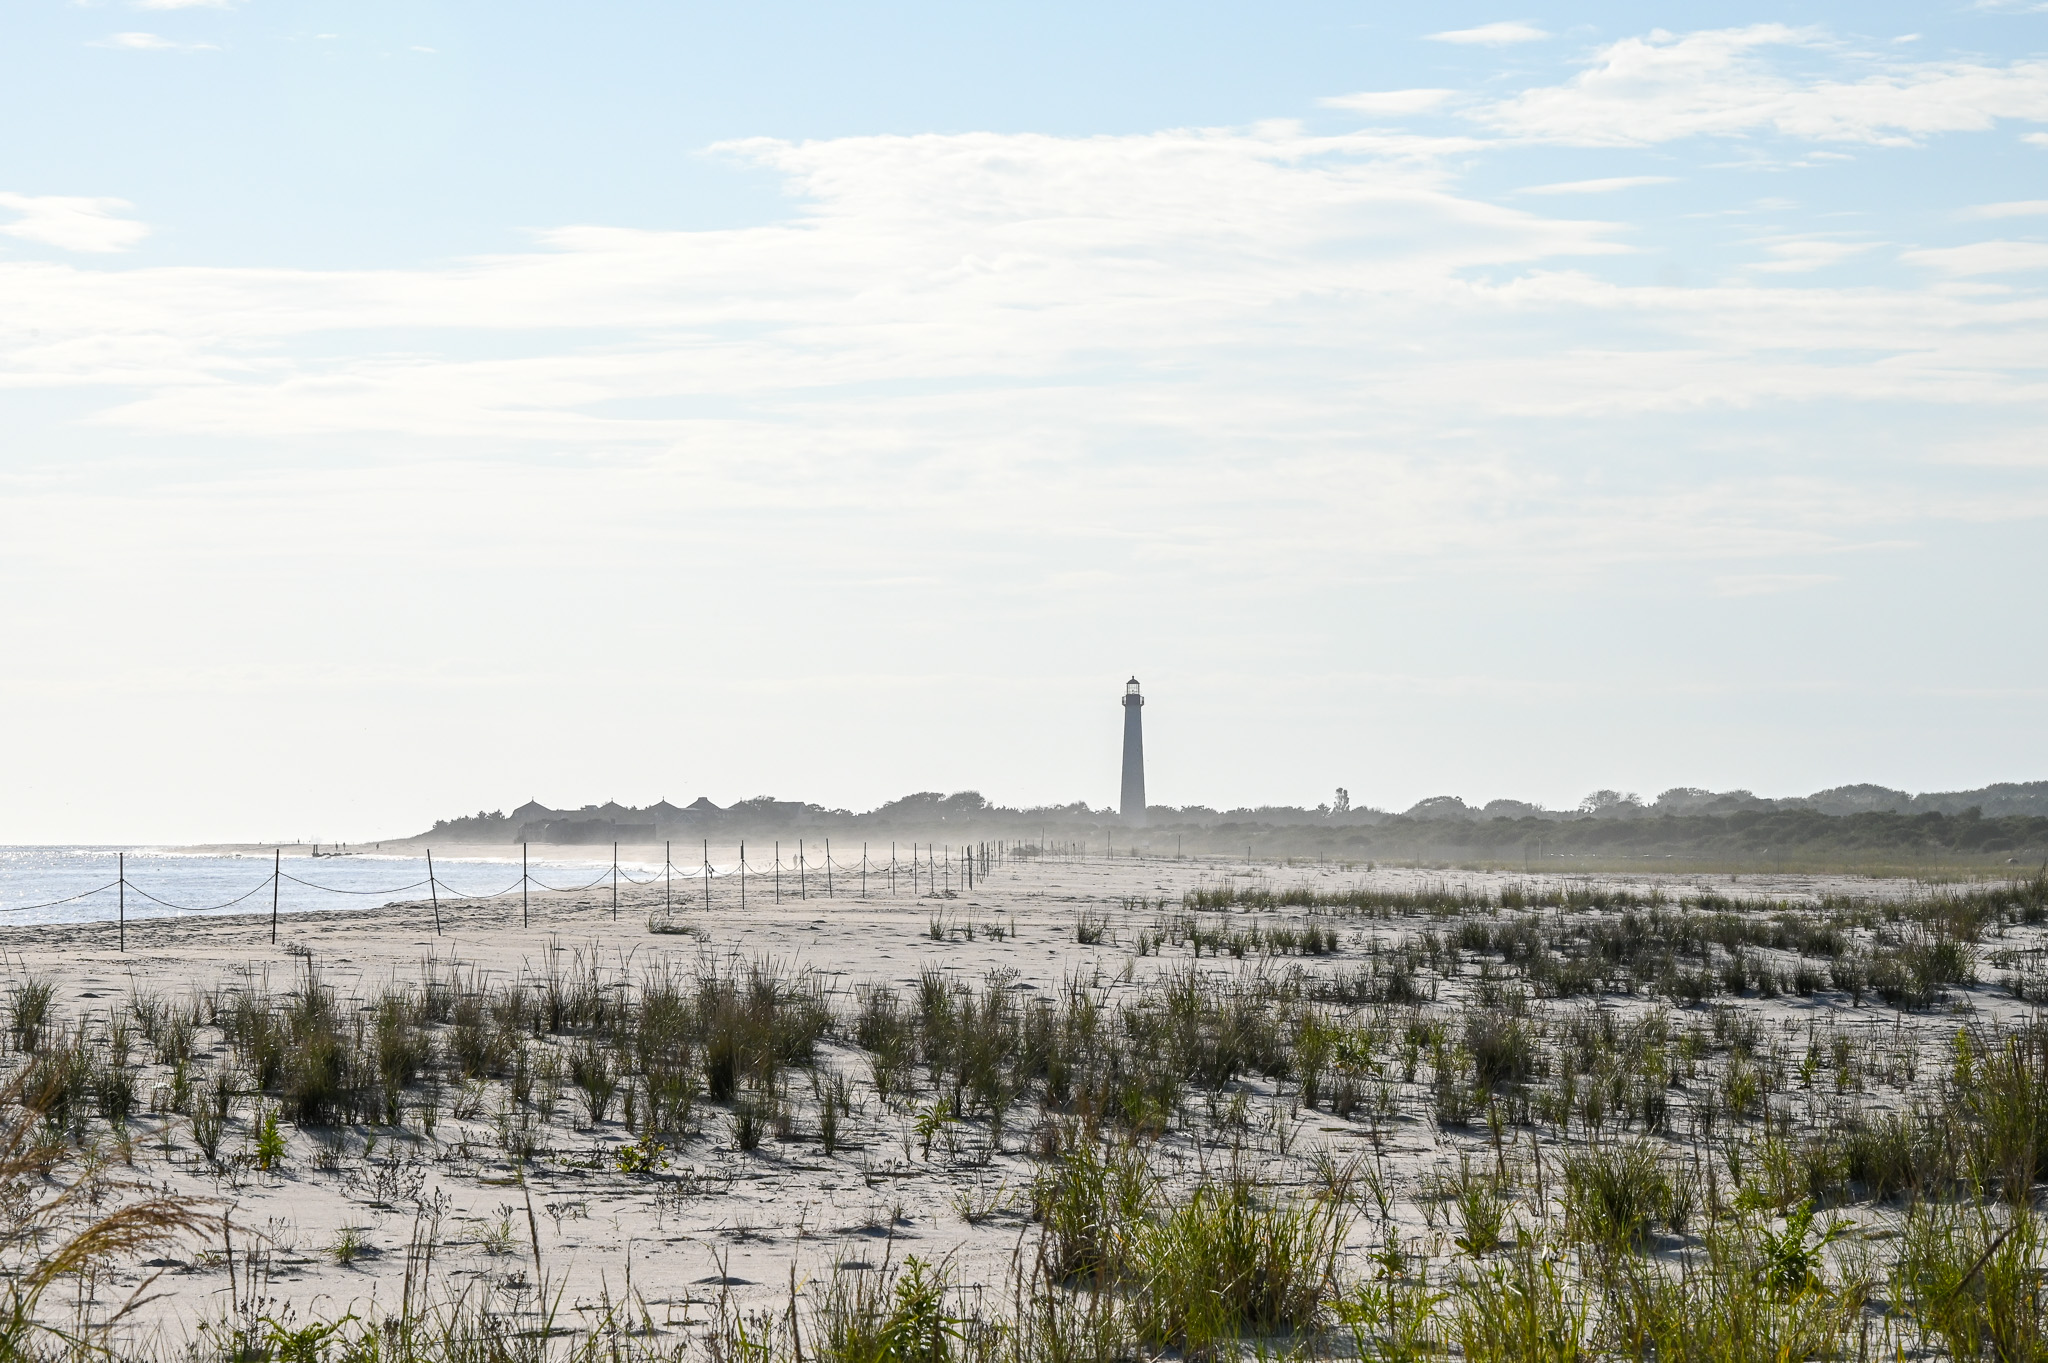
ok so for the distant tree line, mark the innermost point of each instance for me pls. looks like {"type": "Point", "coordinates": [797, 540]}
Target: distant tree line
{"type": "Point", "coordinates": [2009, 819]}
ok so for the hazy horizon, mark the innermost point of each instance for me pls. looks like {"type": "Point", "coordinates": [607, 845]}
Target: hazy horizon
{"type": "Point", "coordinates": [412, 409]}
{"type": "Point", "coordinates": [1650, 802]}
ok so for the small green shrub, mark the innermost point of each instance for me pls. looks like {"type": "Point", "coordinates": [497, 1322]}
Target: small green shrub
{"type": "Point", "coordinates": [1613, 1195]}
{"type": "Point", "coordinates": [1974, 1282]}
{"type": "Point", "coordinates": [1522, 1310]}
{"type": "Point", "coordinates": [349, 1245]}
{"type": "Point", "coordinates": [1482, 1210]}
{"type": "Point", "coordinates": [206, 1131]}
{"type": "Point", "coordinates": [1092, 1205]}
{"type": "Point", "coordinates": [1226, 1263]}
{"type": "Point", "coordinates": [269, 1141]}
{"type": "Point", "coordinates": [864, 1317]}
{"type": "Point", "coordinates": [1392, 1320]}
{"type": "Point", "coordinates": [644, 1156]}
{"type": "Point", "coordinates": [1746, 1299]}
{"type": "Point", "coordinates": [593, 1072]}
{"type": "Point", "coordinates": [28, 1010]}
{"type": "Point", "coordinates": [113, 1086]}
{"type": "Point", "coordinates": [746, 1125]}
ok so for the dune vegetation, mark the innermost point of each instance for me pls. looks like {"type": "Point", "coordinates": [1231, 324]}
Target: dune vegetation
{"type": "Point", "coordinates": [1560, 1121]}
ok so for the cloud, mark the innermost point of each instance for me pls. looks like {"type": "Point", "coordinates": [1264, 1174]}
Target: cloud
{"type": "Point", "coordinates": [1244, 354]}
{"type": "Point", "coordinates": [2004, 449]}
{"type": "Point", "coordinates": [2023, 208]}
{"type": "Point", "coordinates": [2035, 139]}
{"type": "Point", "coordinates": [1726, 82]}
{"type": "Point", "coordinates": [1389, 101]}
{"type": "Point", "coordinates": [1982, 257]}
{"type": "Point", "coordinates": [1492, 35]}
{"type": "Point", "coordinates": [1007, 260]}
{"type": "Point", "coordinates": [1797, 255]}
{"type": "Point", "coordinates": [1236, 380]}
{"type": "Point", "coordinates": [151, 42]}
{"type": "Point", "coordinates": [180, 4]}
{"type": "Point", "coordinates": [1605, 186]}
{"type": "Point", "coordinates": [73, 224]}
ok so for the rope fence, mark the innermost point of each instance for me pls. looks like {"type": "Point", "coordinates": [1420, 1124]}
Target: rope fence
{"type": "Point", "coordinates": [927, 868]}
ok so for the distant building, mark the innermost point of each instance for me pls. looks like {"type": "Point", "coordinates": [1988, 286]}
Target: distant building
{"type": "Point", "coordinates": [1132, 806]}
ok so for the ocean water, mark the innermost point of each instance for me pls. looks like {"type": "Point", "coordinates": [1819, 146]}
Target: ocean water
{"type": "Point", "coordinates": [84, 884]}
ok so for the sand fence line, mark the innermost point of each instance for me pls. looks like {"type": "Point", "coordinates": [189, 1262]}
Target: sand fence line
{"type": "Point", "coordinates": [929, 864]}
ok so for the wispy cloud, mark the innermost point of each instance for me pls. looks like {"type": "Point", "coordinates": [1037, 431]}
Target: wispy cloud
{"type": "Point", "coordinates": [1724, 82]}
{"type": "Point", "coordinates": [151, 42]}
{"type": "Point", "coordinates": [986, 268]}
{"type": "Point", "coordinates": [181, 4]}
{"type": "Point", "coordinates": [1983, 257]}
{"type": "Point", "coordinates": [73, 224]}
{"type": "Point", "coordinates": [1390, 101]}
{"type": "Point", "coordinates": [2022, 208]}
{"type": "Point", "coordinates": [1214, 317]}
{"type": "Point", "coordinates": [1603, 186]}
{"type": "Point", "coordinates": [1492, 35]}
{"type": "Point", "coordinates": [1799, 254]}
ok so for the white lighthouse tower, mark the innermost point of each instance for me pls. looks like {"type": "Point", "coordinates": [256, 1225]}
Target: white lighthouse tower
{"type": "Point", "coordinates": [1132, 807]}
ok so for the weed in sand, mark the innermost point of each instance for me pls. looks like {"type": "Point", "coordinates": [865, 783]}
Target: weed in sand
{"type": "Point", "coordinates": [1614, 1194]}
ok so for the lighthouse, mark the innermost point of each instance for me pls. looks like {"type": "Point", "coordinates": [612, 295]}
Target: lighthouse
{"type": "Point", "coordinates": [1133, 805]}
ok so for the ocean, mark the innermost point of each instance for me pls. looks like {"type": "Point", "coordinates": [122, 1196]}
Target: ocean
{"type": "Point", "coordinates": [84, 884]}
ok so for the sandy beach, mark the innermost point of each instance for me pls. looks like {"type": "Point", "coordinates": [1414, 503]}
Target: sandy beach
{"type": "Point", "coordinates": [352, 1217]}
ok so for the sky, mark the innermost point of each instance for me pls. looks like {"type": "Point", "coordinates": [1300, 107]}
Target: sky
{"type": "Point", "coordinates": [407, 409]}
